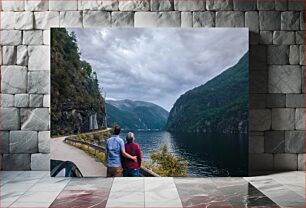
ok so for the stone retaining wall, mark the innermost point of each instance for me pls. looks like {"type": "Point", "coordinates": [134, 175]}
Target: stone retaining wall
{"type": "Point", "coordinates": [276, 68]}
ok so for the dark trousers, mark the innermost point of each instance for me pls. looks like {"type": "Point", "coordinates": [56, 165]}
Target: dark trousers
{"type": "Point", "coordinates": [131, 173]}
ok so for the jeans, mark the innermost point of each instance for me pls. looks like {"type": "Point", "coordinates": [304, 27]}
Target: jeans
{"type": "Point", "coordinates": [131, 173]}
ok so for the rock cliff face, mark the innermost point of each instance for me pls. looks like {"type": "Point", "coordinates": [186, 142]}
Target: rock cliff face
{"type": "Point", "coordinates": [76, 102]}
{"type": "Point", "coordinates": [220, 105]}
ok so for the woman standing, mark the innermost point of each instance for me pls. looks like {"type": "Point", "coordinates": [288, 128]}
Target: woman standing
{"type": "Point", "coordinates": [130, 167]}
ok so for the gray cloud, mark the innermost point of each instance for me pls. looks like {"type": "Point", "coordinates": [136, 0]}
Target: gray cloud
{"type": "Point", "coordinates": [158, 65]}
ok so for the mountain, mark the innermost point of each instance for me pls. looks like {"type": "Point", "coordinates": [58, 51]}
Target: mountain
{"type": "Point", "coordinates": [220, 105]}
{"type": "Point", "coordinates": [76, 102]}
{"type": "Point", "coordinates": [136, 114]}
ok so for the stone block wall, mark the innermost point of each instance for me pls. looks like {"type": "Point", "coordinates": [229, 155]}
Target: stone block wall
{"type": "Point", "coordinates": [277, 126]}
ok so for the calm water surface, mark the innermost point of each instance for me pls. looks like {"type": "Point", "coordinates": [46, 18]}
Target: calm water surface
{"type": "Point", "coordinates": [207, 154]}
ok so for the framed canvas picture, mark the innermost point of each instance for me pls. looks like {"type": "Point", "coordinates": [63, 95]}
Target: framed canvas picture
{"type": "Point", "coordinates": [149, 102]}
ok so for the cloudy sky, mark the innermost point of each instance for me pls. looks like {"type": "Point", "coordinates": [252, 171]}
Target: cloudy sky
{"type": "Point", "coordinates": [158, 65]}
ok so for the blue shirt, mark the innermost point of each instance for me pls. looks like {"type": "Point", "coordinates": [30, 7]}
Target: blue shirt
{"type": "Point", "coordinates": [114, 146]}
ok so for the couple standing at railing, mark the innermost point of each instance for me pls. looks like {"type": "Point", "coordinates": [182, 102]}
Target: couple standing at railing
{"type": "Point", "coordinates": [122, 159]}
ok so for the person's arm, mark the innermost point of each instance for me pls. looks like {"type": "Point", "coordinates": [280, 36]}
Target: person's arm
{"type": "Point", "coordinates": [139, 156]}
{"type": "Point", "coordinates": [125, 154]}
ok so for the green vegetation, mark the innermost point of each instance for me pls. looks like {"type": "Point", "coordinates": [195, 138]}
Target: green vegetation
{"type": "Point", "coordinates": [220, 105]}
{"type": "Point", "coordinates": [74, 87]}
{"type": "Point", "coordinates": [136, 114]}
{"type": "Point", "coordinates": [165, 163]}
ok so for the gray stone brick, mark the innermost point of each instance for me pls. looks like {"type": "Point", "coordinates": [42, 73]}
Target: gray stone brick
{"type": "Point", "coordinates": [283, 118]}
{"type": "Point", "coordinates": [265, 5]}
{"type": "Point", "coordinates": [269, 20]}
{"type": "Point", "coordinates": [186, 19]}
{"type": "Point", "coordinates": [13, 5]}
{"type": "Point", "coordinates": [300, 119]}
{"type": "Point", "coordinates": [266, 37]}
{"type": "Point", "coordinates": [4, 141]}
{"type": "Point", "coordinates": [302, 20]}
{"type": "Point", "coordinates": [39, 58]}
{"type": "Point", "coordinates": [302, 56]}
{"type": "Point", "coordinates": [63, 5]}
{"type": "Point", "coordinates": [290, 21]}
{"type": "Point", "coordinates": [11, 37]}
{"type": "Point", "coordinates": [299, 37]}
{"type": "Point", "coordinates": [99, 5]}
{"type": "Point", "coordinates": [14, 79]}
{"type": "Point", "coordinates": [203, 19]}
{"type": "Point", "coordinates": [278, 54]}
{"type": "Point", "coordinates": [260, 162]}
{"type": "Point", "coordinates": [22, 100]}
{"type": "Point", "coordinates": [283, 37]}
{"type": "Point", "coordinates": [24, 20]}
{"type": "Point", "coordinates": [301, 162]}
{"type": "Point", "coordinates": [256, 144]}
{"type": "Point", "coordinates": [294, 141]}
{"type": "Point", "coordinates": [23, 142]}
{"type": "Point", "coordinates": [285, 162]}
{"type": "Point", "coordinates": [222, 5]}
{"type": "Point", "coordinates": [71, 19]}
{"type": "Point", "coordinates": [281, 5]}
{"type": "Point", "coordinates": [44, 141]}
{"type": "Point", "coordinates": [303, 79]}
{"type": "Point", "coordinates": [22, 55]}
{"type": "Point", "coordinates": [46, 37]}
{"type": "Point", "coordinates": [297, 5]}
{"type": "Point", "coordinates": [134, 5]}
{"type": "Point", "coordinates": [275, 142]}
{"type": "Point", "coordinates": [157, 19]}
{"type": "Point", "coordinates": [259, 119]}
{"type": "Point", "coordinates": [37, 5]}
{"type": "Point", "coordinates": [39, 82]}
{"type": "Point", "coordinates": [246, 5]}
{"type": "Point", "coordinates": [40, 162]}
{"type": "Point", "coordinates": [7, 20]}
{"type": "Point", "coordinates": [9, 55]}
{"type": "Point", "coordinates": [251, 21]}
{"type": "Point", "coordinates": [45, 20]}
{"type": "Point", "coordinates": [229, 19]}
{"type": "Point", "coordinates": [46, 101]}
{"type": "Point", "coordinates": [294, 54]}
{"type": "Point", "coordinates": [33, 37]}
{"type": "Point", "coordinates": [276, 100]}
{"type": "Point", "coordinates": [35, 119]}
{"type": "Point", "coordinates": [6, 100]}
{"type": "Point", "coordinates": [16, 162]}
{"type": "Point", "coordinates": [162, 5]}
{"type": "Point", "coordinates": [256, 133]}
{"type": "Point", "coordinates": [10, 119]}
{"type": "Point", "coordinates": [257, 101]}
{"type": "Point", "coordinates": [97, 19]}
{"type": "Point", "coordinates": [258, 81]}
{"type": "Point", "coordinates": [258, 56]}
{"type": "Point", "coordinates": [195, 5]}
{"type": "Point", "coordinates": [295, 100]}
{"type": "Point", "coordinates": [36, 100]}
{"type": "Point", "coordinates": [122, 19]}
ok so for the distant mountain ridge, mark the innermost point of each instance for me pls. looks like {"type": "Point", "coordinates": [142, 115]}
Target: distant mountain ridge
{"type": "Point", "coordinates": [134, 115]}
{"type": "Point", "coordinates": [220, 105]}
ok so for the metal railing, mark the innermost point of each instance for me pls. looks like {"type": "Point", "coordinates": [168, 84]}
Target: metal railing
{"type": "Point", "coordinates": [143, 171]}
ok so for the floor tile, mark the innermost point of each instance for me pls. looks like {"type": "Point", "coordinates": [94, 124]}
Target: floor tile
{"type": "Point", "coordinates": [131, 184]}
{"type": "Point", "coordinates": [125, 199]}
{"type": "Point", "coordinates": [163, 198]}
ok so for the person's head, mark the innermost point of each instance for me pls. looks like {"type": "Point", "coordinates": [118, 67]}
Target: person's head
{"type": "Point", "coordinates": [117, 129]}
{"type": "Point", "coordinates": [130, 137]}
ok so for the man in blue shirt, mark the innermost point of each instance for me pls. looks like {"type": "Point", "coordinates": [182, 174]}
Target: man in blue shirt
{"type": "Point", "coordinates": [114, 149]}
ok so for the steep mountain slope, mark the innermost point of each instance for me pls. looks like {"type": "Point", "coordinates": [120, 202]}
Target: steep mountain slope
{"type": "Point", "coordinates": [75, 96]}
{"type": "Point", "coordinates": [136, 114]}
{"type": "Point", "coordinates": [220, 105]}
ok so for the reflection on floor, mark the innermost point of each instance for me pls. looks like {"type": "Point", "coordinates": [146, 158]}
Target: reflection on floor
{"type": "Point", "coordinates": [37, 189]}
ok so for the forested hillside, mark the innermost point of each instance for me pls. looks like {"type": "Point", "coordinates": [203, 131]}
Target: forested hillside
{"type": "Point", "coordinates": [75, 95]}
{"type": "Point", "coordinates": [220, 105]}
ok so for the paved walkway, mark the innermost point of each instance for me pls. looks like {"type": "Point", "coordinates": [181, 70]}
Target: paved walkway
{"type": "Point", "coordinates": [37, 189]}
{"type": "Point", "coordinates": [87, 164]}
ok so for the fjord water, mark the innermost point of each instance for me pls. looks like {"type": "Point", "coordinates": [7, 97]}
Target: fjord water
{"type": "Point", "coordinates": [207, 154]}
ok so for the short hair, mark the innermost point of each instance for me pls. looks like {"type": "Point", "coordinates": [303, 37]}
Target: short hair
{"type": "Point", "coordinates": [117, 130]}
{"type": "Point", "coordinates": [130, 137]}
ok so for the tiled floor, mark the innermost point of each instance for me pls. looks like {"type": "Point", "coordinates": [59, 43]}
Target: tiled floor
{"type": "Point", "coordinates": [37, 189]}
